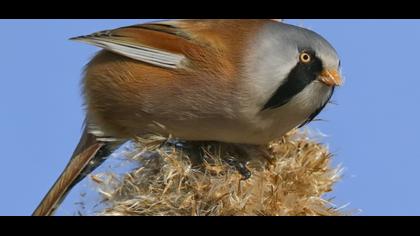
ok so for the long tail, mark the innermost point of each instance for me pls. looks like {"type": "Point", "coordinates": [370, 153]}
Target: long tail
{"type": "Point", "coordinates": [89, 154]}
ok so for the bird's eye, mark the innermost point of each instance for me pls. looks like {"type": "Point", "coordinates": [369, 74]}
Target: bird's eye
{"type": "Point", "coordinates": [305, 57]}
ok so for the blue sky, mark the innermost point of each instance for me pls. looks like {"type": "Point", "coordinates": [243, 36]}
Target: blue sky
{"type": "Point", "coordinates": [373, 131]}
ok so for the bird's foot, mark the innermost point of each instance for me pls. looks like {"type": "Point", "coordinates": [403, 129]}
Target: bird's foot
{"type": "Point", "coordinates": [195, 151]}
{"type": "Point", "coordinates": [197, 155]}
{"type": "Point", "coordinates": [240, 166]}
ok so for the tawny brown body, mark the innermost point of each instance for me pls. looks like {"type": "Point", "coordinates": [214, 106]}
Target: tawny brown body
{"type": "Point", "coordinates": [127, 98]}
{"type": "Point", "coordinates": [206, 80]}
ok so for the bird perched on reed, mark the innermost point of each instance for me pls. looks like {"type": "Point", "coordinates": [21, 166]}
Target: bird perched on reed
{"type": "Point", "coordinates": [231, 81]}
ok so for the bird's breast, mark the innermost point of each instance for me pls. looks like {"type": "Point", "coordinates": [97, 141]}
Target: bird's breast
{"type": "Point", "coordinates": [190, 108]}
{"type": "Point", "coordinates": [273, 123]}
{"type": "Point", "coordinates": [259, 127]}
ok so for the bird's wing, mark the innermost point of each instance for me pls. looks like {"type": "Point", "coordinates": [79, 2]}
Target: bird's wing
{"type": "Point", "coordinates": [179, 43]}
{"type": "Point", "coordinates": [161, 44]}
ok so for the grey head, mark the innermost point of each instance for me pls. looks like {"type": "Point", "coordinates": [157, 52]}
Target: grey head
{"type": "Point", "coordinates": [290, 40]}
{"type": "Point", "coordinates": [286, 59]}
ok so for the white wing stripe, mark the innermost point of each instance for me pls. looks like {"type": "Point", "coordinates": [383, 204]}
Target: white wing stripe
{"type": "Point", "coordinates": [141, 53]}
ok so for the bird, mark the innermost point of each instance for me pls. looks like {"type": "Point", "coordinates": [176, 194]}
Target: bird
{"type": "Point", "coordinates": [239, 81]}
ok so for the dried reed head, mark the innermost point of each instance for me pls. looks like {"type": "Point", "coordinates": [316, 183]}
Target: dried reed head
{"type": "Point", "coordinates": [293, 182]}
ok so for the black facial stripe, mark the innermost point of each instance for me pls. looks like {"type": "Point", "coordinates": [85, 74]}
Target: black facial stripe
{"type": "Point", "coordinates": [314, 114]}
{"type": "Point", "coordinates": [300, 76]}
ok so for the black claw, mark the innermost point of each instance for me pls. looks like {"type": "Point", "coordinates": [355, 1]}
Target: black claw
{"type": "Point", "coordinates": [240, 167]}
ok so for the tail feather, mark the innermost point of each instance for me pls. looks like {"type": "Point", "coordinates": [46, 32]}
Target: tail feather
{"type": "Point", "coordinates": [89, 154]}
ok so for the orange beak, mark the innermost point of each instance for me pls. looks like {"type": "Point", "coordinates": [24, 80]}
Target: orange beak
{"type": "Point", "coordinates": [330, 78]}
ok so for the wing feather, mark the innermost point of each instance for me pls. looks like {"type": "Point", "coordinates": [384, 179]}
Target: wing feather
{"type": "Point", "coordinates": [159, 44]}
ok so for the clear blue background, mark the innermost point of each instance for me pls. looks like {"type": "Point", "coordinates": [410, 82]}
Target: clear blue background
{"type": "Point", "coordinates": [374, 129]}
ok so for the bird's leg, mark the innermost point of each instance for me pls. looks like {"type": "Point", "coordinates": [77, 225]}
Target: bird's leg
{"type": "Point", "coordinates": [239, 162]}
{"type": "Point", "coordinates": [236, 157]}
{"type": "Point", "coordinates": [193, 149]}
{"type": "Point", "coordinates": [240, 166]}
{"type": "Point", "coordinates": [195, 152]}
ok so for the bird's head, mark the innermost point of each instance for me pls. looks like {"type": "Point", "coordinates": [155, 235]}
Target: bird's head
{"type": "Point", "coordinates": [288, 59]}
